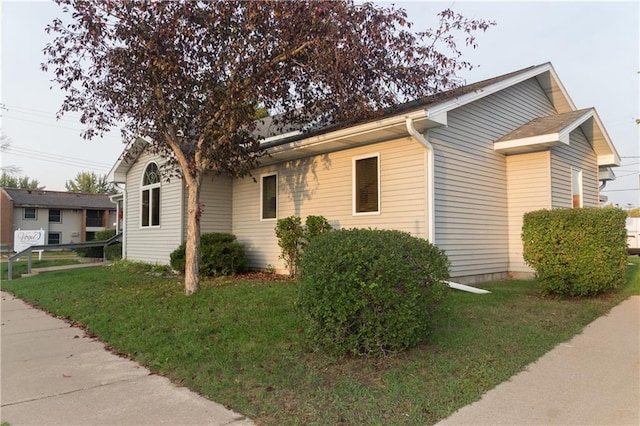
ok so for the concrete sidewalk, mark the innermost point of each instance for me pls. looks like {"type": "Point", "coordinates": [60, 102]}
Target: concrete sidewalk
{"type": "Point", "coordinates": [593, 379]}
{"type": "Point", "coordinates": [53, 374]}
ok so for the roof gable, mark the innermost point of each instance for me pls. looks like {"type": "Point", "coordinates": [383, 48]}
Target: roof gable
{"type": "Point", "coordinates": [555, 130]}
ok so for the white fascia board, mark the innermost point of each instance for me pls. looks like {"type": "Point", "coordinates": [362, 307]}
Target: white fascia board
{"type": "Point", "coordinates": [561, 86]}
{"type": "Point", "coordinates": [608, 160]}
{"type": "Point", "coordinates": [119, 170]}
{"type": "Point", "coordinates": [349, 132]}
{"type": "Point", "coordinates": [444, 107]}
{"type": "Point", "coordinates": [548, 139]}
{"type": "Point", "coordinates": [614, 156]}
{"type": "Point", "coordinates": [564, 133]}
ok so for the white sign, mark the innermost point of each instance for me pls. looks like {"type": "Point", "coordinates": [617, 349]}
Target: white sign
{"type": "Point", "coordinates": [25, 239]}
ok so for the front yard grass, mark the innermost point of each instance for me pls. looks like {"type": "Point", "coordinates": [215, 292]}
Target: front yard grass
{"type": "Point", "coordinates": [239, 343]}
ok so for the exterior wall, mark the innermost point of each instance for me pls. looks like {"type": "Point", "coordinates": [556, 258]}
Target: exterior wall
{"type": "Point", "coordinates": [471, 179]}
{"type": "Point", "coordinates": [40, 222]}
{"type": "Point", "coordinates": [6, 222]}
{"type": "Point", "coordinates": [69, 228]}
{"type": "Point", "coordinates": [216, 200]}
{"type": "Point", "coordinates": [528, 189]}
{"type": "Point", "coordinates": [578, 154]}
{"type": "Point", "coordinates": [322, 185]}
{"type": "Point", "coordinates": [152, 244]}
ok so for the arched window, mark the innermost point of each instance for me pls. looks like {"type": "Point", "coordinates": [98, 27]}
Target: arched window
{"type": "Point", "coordinates": [150, 196]}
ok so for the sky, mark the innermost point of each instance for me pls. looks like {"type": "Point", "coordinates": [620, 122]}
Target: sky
{"type": "Point", "coordinates": [593, 46]}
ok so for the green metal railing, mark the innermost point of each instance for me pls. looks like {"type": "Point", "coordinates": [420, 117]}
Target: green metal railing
{"type": "Point", "coordinates": [57, 247]}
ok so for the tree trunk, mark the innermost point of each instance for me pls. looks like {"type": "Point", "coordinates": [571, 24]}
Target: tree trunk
{"type": "Point", "coordinates": [192, 250]}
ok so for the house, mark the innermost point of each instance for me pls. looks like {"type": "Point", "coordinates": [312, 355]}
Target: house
{"type": "Point", "coordinates": [66, 217]}
{"type": "Point", "coordinates": [459, 168]}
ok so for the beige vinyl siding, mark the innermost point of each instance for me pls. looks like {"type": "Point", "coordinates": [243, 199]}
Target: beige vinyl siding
{"type": "Point", "coordinates": [152, 244]}
{"type": "Point", "coordinates": [215, 198]}
{"type": "Point", "coordinates": [528, 188]}
{"type": "Point", "coordinates": [70, 227]}
{"type": "Point", "coordinates": [322, 185]}
{"type": "Point", "coordinates": [578, 154]}
{"type": "Point", "coordinates": [471, 178]}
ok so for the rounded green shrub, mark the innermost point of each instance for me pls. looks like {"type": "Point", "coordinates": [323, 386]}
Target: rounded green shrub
{"type": "Point", "coordinates": [370, 292]}
{"type": "Point", "coordinates": [220, 254]}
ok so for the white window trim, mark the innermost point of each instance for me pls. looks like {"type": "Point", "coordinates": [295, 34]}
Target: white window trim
{"type": "Point", "coordinates": [24, 213]}
{"type": "Point", "coordinates": [149, 188]}
{"type": "Point", "coordinates": [580, 186]}
{"type": "Point", "coordinates": [261, 212]}
{"type": "Point", "coordinates": [354, 185]}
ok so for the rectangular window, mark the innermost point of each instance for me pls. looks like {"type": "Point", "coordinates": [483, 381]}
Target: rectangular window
{"type": "Point", "coordinates": [576, 188]}
{"type": "Point", "coordinates": [269, 196]}
{"type": "Point", "coordinates": [151, 207]}
{"type": "Point", "coordinates": [53, 238]}
{"type": "Point", "coordinates": [30, 213]}
{"type": "Point", "coordinates": [55, 216]}
{"type": "Point", "coordinates": [95, 218]}
{"type": "Point", "coordinates": [366, 185]}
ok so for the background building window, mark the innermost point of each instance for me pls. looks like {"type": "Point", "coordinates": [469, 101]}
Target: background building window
{"type": "Point", "coordinates": [55, 216]}
{"type": "Point", "coordinates": [151, 196]}
{"type": "Point", "coordinates": [30, 213]}
{"type": "Point", "coordinates": [269, 196]}
{"type": "Point", "coordinates": [53, 238]}
{"type": "Point", "coordinates": [366, 185]}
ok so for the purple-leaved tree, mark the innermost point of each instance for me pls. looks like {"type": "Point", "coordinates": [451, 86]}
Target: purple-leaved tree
{"type": "Point", "coordinates": [190, 75]}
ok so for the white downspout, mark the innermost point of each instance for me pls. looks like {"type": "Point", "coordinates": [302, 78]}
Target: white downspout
{"type": "Point", "coordinates": [430, 178]}
{"type": "Point", "coordinates": [431, 200]}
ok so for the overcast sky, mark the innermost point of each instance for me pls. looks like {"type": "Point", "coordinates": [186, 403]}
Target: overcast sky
{"type": "Point", "coordinates": [594, 47]}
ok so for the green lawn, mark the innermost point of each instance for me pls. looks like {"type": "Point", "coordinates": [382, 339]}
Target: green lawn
{"type": "Point", "coordinates": [239, 342]}
{"type": "Point", "coordinates": [20, 267]}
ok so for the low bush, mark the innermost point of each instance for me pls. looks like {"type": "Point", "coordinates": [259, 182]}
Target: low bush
{"type": "Point", "coordinates": [293, 237]}
{"type": "Point", "coordinates": [220, 254]}
{"type": "Point", "coordinates": [576, 252]}
{"type": "Point", "coordinates": [97, 251]}
{"type": "Point", "coordinates": [370, 292]}
{"type": "Point", "coordinates": [113, 252]}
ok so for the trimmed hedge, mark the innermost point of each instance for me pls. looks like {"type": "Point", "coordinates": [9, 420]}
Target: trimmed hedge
{"type": "Point", "coordinates": [96, 252]}
{"type": "Point", "coordinates": [369, 292]}
{"type": "Point", "coordinates": [220, 254]}
{"type": "Point", "coordinates": [576, 252]}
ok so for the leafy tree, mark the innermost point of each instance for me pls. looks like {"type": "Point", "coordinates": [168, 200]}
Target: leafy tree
{"type": "Point", "coordinates": [8, 180]}
{"type": "Point", "coordinates": [634, 212]}
{"type": "Point", "coordinates": [190, 76]}
{"type": "Point", "coordinates": [91, 183]}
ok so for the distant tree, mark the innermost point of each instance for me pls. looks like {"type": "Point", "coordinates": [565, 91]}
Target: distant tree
{"type": "Point", "coordinates": [634, 212]}
{"type": "Point", "coordinates": [8, 180]}
{"type": "Point", "coordinates": [191, 76]}
{"type": "Point", "coordinates": [90, 183]}
{"type": "Point", "coordinates": [5, 145]}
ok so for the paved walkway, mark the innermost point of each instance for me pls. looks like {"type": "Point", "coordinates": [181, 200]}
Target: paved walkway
{"type": "Point", "coordinates": [53, 374]}
{"type": "Point", "coordinates": [593, 379]}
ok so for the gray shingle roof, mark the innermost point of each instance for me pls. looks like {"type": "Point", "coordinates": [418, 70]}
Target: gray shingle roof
{"type": "Point", "coordinates": [265, 129]}
{"type": "Point", "coordinates": [59, 199]}
{"type": "Point", "coordinates": [545, 125]}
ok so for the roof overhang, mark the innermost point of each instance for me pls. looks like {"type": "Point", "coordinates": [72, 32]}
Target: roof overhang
{"type": "Point", "coordinates": [380, 130]}
{"type": "Point", "coordinates": [589, 123]}
{"type": "Point", "coordinates": [118, 173]}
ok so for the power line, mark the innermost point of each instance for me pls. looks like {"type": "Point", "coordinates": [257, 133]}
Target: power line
{"type": "Point", "coordinates": [56, 156]}
{"type": "Point", "coordinates": [77, 129]}
{"type": "Point", "coordinates": [79, 163]}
